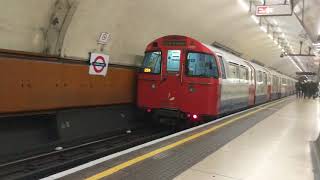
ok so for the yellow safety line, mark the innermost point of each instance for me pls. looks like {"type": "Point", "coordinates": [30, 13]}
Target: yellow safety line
{"type": "Point", "coordinates": [133, 161]}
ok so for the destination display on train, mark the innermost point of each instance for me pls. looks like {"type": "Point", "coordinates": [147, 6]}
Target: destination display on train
{"type": "Point", "coordinates": [174, 43]}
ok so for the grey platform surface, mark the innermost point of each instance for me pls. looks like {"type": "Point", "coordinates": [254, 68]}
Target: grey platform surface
{"type": "Point", "coordinates": [173, 162]}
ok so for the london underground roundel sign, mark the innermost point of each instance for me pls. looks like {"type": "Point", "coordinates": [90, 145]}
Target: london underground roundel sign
{"type": "Point", "coordinates": [98, 64]}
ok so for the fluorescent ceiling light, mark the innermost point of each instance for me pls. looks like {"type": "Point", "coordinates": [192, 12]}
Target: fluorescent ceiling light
{"type": "Point", "coordinates": [279, 29]}
{"type": "Point", "coordinates": [255, 19]}
{"type": "Point", "coordinates": [299, 61]}
{"type": "Point", "coordinates": [293, 62]}
{"type": "Point", "coordinates": [244, 5]}
{"type": "Point", "coordinates": [275, 22]}
{"type": "Point", "coordinates": [264, 29]}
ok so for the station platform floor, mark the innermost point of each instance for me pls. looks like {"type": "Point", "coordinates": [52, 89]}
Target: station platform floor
{"type": "Point", "coordinates": [270, 141]}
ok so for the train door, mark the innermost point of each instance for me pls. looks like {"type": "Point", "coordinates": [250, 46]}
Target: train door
{"type": "Point", "coordinates": [223, 106]}
{"type": "Point", "coordinates": [252, 85]}
{"type": "Point", "coordinates": [268, 86]}
{"type": "Point", "coordinates": [171, 81]}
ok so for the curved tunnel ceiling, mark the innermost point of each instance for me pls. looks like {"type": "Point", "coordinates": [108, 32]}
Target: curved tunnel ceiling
{"type": "Point", "coordinates": [29, 26]}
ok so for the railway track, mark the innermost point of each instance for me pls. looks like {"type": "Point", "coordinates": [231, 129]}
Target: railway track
{"type": "Point", "coordinates": [42, 165]}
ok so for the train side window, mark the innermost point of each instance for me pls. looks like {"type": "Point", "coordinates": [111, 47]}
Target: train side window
{"type": "Point", "coordinates": [234, 71]}
{"type": "Point", "coordinates": [244, 73]}
{"type": "Point", "coordinates": [275, 83]}
{"type": "Point", "coordinates": [265, 78]}
{"type": "Point", "coordinates": [152, 62]}
{"type": "Point", "coordinates": [284, 81]}
{"type": "Point", "coordinates": [201, 65]}
{"type": "Point", "coordinates": [247, 74]}
{"type": "Point", "coordinates": [252, 75]}
{"type": "Point", "coordinates": [223, 70]}
{"type": "Point", "coordinates": [259, 76]}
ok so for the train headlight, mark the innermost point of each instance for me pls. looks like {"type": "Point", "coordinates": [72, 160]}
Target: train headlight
{"type": "Point", "coordinates": [153, 86]}
{"type": "Point", "coordinates": [147, 70]}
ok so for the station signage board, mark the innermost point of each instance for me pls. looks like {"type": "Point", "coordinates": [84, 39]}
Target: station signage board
{"type": "Point", "coordinates": [104, 38]}
{"type": "Point", "coordinates": [274, 10]}
{"type": "Point", "coordinates": [98, 64]}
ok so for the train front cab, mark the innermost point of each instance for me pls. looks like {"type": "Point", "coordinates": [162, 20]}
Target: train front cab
{"type": "Point", "coordinates": [179, 79]}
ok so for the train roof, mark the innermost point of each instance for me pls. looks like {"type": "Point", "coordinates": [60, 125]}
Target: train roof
{"type": "Point", "coordinates": [227, 55]}
{"type": "Point", "coordinates": [233, 58]}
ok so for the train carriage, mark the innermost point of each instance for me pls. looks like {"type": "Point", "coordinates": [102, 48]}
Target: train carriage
{"type": "Point", "coordinates": [236, 73]}
{"type": "Point", "coordinates": [182, 78]}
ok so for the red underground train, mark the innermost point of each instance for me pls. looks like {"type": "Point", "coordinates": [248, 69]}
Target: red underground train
{"type": "Point", "coordinates": [184, 79]}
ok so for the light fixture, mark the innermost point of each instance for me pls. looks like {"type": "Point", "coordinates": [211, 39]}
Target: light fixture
{"type": "Point", "coordinates": [295, 63]}
{"type": "Point", "coordinates": [244, 5]}
{"type": "Point", "coordinates": [255, 19]}
{"type": "Point", "coordinates": [292, 49]}
{"type": "Point", "coordinates": [279, 29]}
{"type": "Point", "coordinates": [275, 22]}
{"type": "Point", "coordinates": [264, 29]}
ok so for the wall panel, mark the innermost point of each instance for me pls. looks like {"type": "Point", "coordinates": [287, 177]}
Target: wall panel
{"type": "Point", "coordinates": [37, 84]}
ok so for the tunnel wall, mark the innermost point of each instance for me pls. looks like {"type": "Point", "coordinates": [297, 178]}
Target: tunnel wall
{"type": "Point", "coordinates": [37, 26]}
{"type": "Point", "coordinates": [31, 82]}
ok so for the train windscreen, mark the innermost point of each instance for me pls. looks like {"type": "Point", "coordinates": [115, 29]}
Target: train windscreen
{"type": "Point", "coordinates": [152, 62]}
{"type": "Point", "coordinates": [201, 65]}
